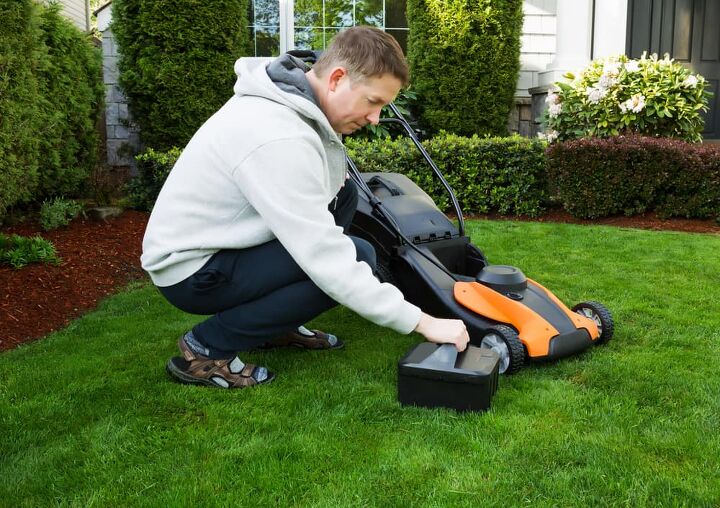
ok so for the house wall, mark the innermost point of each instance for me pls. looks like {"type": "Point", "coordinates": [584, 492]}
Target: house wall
{"type": "Point", "coordinates": [537, 42]}
{"type": "Point", "coordinates": [78, 11]}
{"type": "Point", "coordinates": [537, 50]}
{"type": "Point", "coordinates": [123, 138]}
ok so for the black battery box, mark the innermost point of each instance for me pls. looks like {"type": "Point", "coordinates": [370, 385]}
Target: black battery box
{"type": "Point", "coordinates": [433, 375]}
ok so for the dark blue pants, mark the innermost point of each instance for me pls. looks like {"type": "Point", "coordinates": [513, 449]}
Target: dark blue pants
{"type": "Point", "coordinates": [258, 293]}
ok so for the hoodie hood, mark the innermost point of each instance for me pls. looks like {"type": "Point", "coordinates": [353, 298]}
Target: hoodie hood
{"type": "Point", "coordinates": [288, 74]}
{"type": "Point", "coordinates": [282, 80]}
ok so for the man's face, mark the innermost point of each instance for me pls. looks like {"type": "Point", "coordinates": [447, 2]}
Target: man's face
{"type": "Point", "coordinates": [350, 105]}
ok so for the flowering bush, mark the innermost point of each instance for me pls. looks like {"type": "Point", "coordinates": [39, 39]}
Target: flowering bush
{"type": "Point", "coordinates": [649, 96]}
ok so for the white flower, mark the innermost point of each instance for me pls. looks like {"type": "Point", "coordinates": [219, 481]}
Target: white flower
{"type": "Point", "coordinates": [691, 81]}
{"type": "Point", "coordinates": [548, 136]}
{"type": "Point", "coordinates": [554, 110]}
{"type": "Point", "coordinates": [595, 94]}
{"type": "Point", "coordinates": [552, 98]}
{"type": "Point", "coordinates": [636, 104]}
{"type": "Point", "coordinates": [607, 80]}
{"type": "Point", "coordinates": [632, 66]}
{"type": "Point", "coordinates": [611, 68]}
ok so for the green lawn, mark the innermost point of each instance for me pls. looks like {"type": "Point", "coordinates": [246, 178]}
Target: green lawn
{"type": "Point", "coordinates": [88, 416]}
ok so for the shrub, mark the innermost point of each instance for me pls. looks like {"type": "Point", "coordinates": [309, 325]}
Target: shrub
{"type": "Point", "coordinates": [650, 96]}
{"type": "Point", "coordinates": [464, 61]}
{"type": "Point", "coordinates": [71, 82]}
{"type": "Point", "coordinates": [58, 212]}
{"type": "Point", "coordinates": [505, 175]}
{"type": "Point", "coordinates": [50, 97]}
{"type": "Point", "coordinates": [18, 251]}
{"type": "Point", "coordinates": [20, 102]}
{"type": "Point", "coordinates": [153, 169]}
{"type": "Point", "coordinates": [632, 174]}
{"type": "Point", "coordinates": [176, 64]}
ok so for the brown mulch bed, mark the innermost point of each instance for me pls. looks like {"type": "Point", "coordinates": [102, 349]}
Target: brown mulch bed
{"type": "Point", "coordinates": [98, 258]}
{"type": "Point", "coordinates": [101, 257]}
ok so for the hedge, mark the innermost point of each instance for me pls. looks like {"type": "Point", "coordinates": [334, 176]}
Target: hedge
{"type": "Point", "coordinates": [20, 101]}
{"type": "Point", "coordinates": [50, 98]}
{"type": "Point", "coordinates": [176, 64]}
{"type": "Point", "coordinates": [504, 175]}
{"type": "Point", "coordinates": [633, 174]}
{"type": "Point", "coordinates": [464, 58]}
{"type": "Point", "coordinates": [72, 84]}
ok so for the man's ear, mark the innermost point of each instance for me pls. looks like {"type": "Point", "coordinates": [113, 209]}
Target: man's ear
{"type": "Point", "coordinates": [335, 76]}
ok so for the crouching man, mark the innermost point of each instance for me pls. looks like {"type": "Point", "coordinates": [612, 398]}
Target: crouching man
{"type": "Point", "coordinates": [251, 225]}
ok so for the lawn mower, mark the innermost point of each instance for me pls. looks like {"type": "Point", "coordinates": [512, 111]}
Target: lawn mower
{"type": "Point", "coordinates": [422, 252]}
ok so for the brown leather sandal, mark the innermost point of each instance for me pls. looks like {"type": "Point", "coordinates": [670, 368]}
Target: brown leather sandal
{"type": "Point", "coordinates": [306, 339]}
{"type": "Point", "coordinates": [194, 368]}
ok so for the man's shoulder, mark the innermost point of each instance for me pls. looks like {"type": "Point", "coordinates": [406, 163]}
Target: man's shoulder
{"type": "Point", "coordinates": [264, 117]}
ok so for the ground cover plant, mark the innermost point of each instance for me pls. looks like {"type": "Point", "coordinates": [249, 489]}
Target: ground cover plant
{"type": "Point", "coordinates": [88, 416]}
{"type": "Point", "coordinates": [58, 212]}
{"type": "Point", "coordinates": [18, 251]}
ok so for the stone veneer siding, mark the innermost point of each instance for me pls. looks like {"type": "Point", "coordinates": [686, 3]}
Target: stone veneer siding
{"type": "Point", "coordinates": [123, 141]}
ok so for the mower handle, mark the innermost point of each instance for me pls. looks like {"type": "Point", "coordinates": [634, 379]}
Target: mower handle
{"type": "Point", "coordinates": [402, 121]}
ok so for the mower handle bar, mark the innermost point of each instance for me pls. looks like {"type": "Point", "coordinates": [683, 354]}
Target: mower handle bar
{"type": "Point", "coordinates": [400, 119]}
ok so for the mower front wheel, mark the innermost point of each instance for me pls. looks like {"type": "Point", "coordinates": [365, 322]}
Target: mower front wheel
{"type": "Point", "coordinates": [602, 317]}
{"type": "Point", "coordinates": [506, 343]}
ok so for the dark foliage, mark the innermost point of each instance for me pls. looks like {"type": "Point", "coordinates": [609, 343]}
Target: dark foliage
{"type": "Point", "coordinates": [632, 174]}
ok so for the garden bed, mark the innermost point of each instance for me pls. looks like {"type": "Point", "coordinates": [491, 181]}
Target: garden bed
{"type": "Point", "coordinates": [97, 259]}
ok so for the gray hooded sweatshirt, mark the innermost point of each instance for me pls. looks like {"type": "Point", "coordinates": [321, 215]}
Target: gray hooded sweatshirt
{"type": "Point", "coordinates": [265, 166]}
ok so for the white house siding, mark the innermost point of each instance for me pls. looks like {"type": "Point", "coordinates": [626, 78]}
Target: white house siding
{"type": "Point", "coordinates": [537, 50]}
{"type": "Point", "coordinates": [537, 42]}
{"type": "Point", "coordinates": [78, 12]}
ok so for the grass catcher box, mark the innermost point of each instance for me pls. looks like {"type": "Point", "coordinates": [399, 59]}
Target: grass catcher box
{"type": "Point", "coordinates": [432, 375]}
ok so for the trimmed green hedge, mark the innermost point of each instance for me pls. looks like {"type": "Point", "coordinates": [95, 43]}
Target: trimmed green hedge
{"type": "Point", "coordinates": [51, 94]}
{"type": "Point", "coordinates": [632, 174]}
{"type": "Point", "coordinates": [464, 60]}
{"type": "Point", "coordinates": [176, 64]}
{"type": "Point", "coordinates": [505, 175]}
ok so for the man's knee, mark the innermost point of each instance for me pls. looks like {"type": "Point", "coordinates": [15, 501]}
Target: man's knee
{"type": "Point", "coordinates": [365, 251]}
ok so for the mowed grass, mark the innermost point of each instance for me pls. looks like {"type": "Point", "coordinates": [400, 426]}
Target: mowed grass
{"type": "Point", "coordinates": [88, 416]}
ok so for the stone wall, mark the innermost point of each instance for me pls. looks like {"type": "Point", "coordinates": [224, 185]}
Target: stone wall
{"type": "Point", "coordinates": [123, 141]}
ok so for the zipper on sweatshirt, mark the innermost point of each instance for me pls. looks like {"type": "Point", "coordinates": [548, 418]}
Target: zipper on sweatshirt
{"type": "Point", "coordinates": [335, 204]}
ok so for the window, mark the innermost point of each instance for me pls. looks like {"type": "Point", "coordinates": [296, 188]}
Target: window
{"type": "Point", "coordinates": [280, 25]}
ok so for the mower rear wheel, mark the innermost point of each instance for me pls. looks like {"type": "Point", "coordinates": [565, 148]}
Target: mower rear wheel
{"type": "Point", "coordinates": [506, 343]}
{"type": "Point", "coordinates": [602, 317]}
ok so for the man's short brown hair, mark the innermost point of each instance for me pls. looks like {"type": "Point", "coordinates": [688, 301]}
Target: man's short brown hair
{"type": "Point", "coordinates": [366, 52]}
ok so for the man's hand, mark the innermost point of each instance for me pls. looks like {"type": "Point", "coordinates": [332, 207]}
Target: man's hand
{"type": "Point", "coordinates": [443, 331]}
